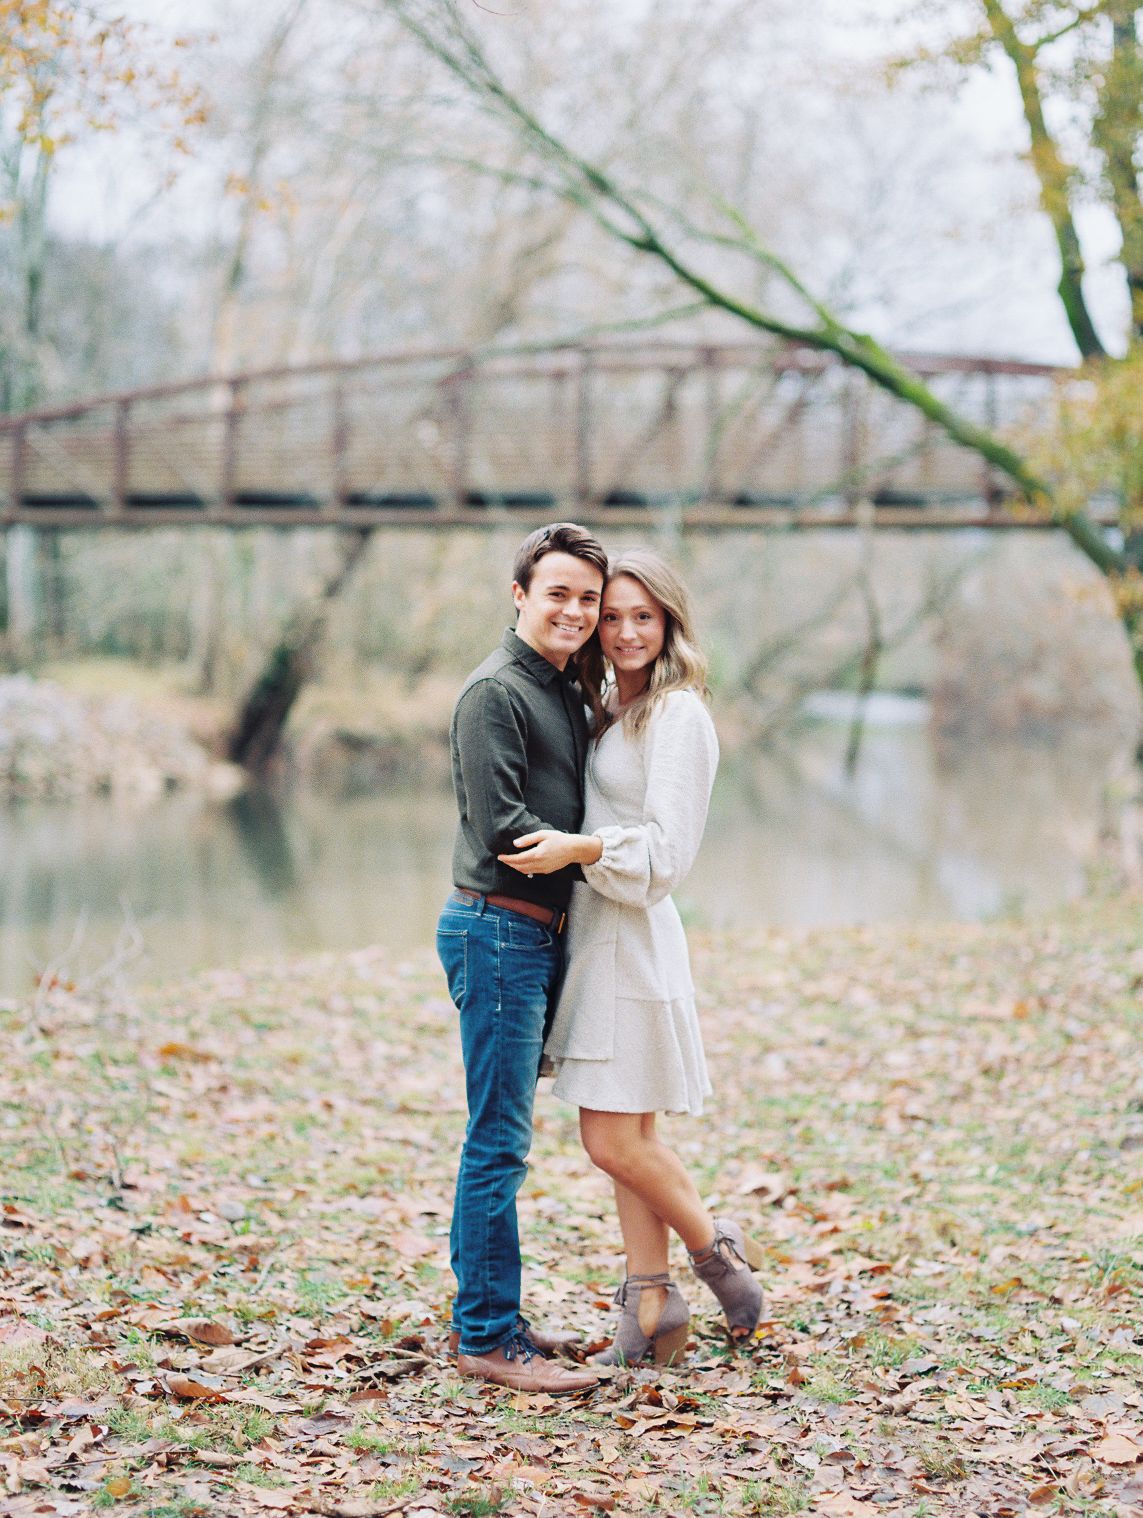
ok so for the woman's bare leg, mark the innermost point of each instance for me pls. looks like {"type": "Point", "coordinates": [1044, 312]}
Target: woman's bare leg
{"type": "Point", "coordinates": [626, 1146]}
{"type": "Point", "coordinates": [653, 1191]}
{"type": "Point", "coordinates": [646, 1242]}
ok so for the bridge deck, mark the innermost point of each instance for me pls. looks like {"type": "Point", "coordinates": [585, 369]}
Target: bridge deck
{"type": "Point", "coordinates": [702, 517]}
{"type": "Point", "coordinates": [699, 436]}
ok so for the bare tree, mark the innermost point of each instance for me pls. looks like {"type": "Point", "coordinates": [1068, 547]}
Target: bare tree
{"type": "Point", "coordinates": [66, 67]}
{"type": "Point", "coordinates": [695, 250]}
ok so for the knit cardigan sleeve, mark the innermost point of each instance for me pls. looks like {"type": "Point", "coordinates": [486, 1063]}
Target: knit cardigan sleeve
{"type": "Point", "coordinates": [641, 865]}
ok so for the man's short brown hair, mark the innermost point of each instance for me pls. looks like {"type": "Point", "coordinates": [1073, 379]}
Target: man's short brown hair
{"type": "Point", "coordinates": [556, 537]}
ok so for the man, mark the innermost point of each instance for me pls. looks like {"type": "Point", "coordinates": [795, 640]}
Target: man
{"type": "Point", "coordinates": [519, 739]}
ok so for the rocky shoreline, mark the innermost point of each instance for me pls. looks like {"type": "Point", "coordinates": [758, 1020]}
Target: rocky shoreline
{"type": "Point", "coordinates": [56, 745]}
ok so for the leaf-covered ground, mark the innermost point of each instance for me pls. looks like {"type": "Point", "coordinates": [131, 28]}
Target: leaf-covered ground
{"type": "Point", "coordinates": [223, 1263]}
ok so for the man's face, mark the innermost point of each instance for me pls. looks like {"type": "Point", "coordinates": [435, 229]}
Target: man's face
{"type": "Point", "coordinates": [560, 608]}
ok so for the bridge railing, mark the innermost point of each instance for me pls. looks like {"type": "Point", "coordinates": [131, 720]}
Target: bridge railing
{"type": "Point", "coordinates": [707, 433]}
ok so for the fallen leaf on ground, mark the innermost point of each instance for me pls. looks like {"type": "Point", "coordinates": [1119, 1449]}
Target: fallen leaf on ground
{"type": "Point", "coordinates": [1117, 1449]}
{"type": "Point", "coordinates": [187, 1388]}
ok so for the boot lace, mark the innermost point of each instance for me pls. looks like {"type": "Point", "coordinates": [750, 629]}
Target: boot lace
{"type": "Point", "coordinates": [723, 1250]}
{"type": "Point", "coordinates": [520, 1347]}
{"type": "Point", "coordinates": [639, 1282]}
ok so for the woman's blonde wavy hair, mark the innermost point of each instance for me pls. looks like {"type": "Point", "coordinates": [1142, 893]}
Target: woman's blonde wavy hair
{"type": "Point", "coordinates": [681, 665]}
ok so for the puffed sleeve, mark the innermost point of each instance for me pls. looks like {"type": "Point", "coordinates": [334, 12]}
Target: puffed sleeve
{"type": "Point", "coordinates": [643, 864]}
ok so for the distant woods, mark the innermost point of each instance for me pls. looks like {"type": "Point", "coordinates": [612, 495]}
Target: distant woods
{"type": "Point", "coordinates": [70, 74]}
{"type": "Point", "coordinates": [1007, 636]}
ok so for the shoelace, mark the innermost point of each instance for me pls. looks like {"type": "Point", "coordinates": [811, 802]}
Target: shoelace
{"type": "Point", "coordinates": [723, 1249]}
{"type": "Point", "coordinates": [727, 1248]}
{"type": "Point", "coordinates": [519, 1346]}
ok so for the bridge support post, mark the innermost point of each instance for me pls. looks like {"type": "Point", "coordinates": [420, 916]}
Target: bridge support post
{"type": "Point", "coordinates": [711, 481]}
{"type": "Point", "coordinates": [339, 449]}
{"type": "Point", "coordinates": [989, 490]}
{"type": "Point", "coordinates": [16, 470]}
{"type": "Point", "coordinates": [22, 582]}
{"type": "Point", "coordinates": [459, 401]}
{"type": "Point", "coordinates": [231, 423]}
{"type": "Point", "coordinates": [122, 464]}
{"type": "Point", "coordinates": [853, 440]}
{"type": "Point", "coordinates": [583, 430]}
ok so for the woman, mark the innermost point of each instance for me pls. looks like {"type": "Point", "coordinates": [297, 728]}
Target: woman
{"type": "Point", "coordinates": [625, 1040]}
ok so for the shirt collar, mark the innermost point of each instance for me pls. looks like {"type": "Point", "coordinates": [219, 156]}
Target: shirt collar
{"type": "Point", "coordinates": [542, 669]}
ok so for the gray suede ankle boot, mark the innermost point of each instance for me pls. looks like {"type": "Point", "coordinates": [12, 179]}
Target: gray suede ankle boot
{"type": "Point", "coordinates": [631, 1346]}
{"type": "Point", "coordinates": [725, 1266]}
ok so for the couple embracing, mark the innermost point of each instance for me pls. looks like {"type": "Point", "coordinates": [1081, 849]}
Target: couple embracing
{"type": "Point", "coordinates": [583, 758]}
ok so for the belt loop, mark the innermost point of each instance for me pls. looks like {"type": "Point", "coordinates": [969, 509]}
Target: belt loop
{"type": "Point", "coordinates": [481, 903]}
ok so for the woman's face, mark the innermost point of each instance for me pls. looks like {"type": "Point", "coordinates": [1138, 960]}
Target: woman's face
{"type": "Point", "coordinates": [632, 626]}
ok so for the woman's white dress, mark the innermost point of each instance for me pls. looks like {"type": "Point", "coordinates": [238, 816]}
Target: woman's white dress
{"type": "Point", "coordinates": [625, 1037]}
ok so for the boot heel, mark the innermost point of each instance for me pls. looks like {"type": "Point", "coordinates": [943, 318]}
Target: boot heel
{"type": "Point", "coordinates": [670, 1346]}
{"type": "Point", "coordinates": [755, 1257]}
{"type": "Point", "coordinates": [631, 1345]}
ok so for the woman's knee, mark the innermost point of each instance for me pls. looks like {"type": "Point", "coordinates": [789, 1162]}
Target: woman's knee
{"type": "Point", "coordinates": [606, 1141]}
{"type": "Point", "coordinates": [600, 1150]}
{"type": "Point", "coordinates": [615, 1147]}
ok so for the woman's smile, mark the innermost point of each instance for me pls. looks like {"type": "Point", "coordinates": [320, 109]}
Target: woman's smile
{"type": "Point", "coordinates": [632, 626]}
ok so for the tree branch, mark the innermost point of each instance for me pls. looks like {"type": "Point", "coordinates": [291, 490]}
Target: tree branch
{"type": "Point", "coordinates": [1055, 177]}
{"type": "Point", "coordinates": [1081, 18]}
{"type": "Point", "coordinates": [615, 210]}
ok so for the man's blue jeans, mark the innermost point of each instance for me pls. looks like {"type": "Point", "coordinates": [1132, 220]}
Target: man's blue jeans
{"type": "Point", "coordinates": [502, 968]}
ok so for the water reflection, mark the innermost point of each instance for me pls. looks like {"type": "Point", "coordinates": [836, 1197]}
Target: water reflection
{"type": "Point", "coordinates": [259, 819]}
{"type": "Point", "coordinates": [921, 832]}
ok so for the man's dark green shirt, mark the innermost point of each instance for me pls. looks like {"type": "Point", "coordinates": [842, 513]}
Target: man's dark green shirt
{"type": "Point", "coordinates": [519, 739]}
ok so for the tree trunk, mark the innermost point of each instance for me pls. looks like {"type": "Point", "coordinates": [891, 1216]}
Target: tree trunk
{"type": "Point", "coordinates": [224, 339]}
{"type": "Point", "coordinates": [1055, 177]}
{"type": "Point", "coordinates": [262, 718]}
{"type": "Point", "coordinates": [867, 672]}
{"type": "Point", "coordinates": [50, 580]}
{"type": "Point", "coordinates": [208, 613]}
{"type": "Point", "coordinates": [22, 571]}
{"type": "Point", "coordinates": [1117, 128]}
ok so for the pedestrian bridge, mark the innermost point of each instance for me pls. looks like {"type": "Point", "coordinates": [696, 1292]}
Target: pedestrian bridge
{"type": "Point", "coordinates": [628, 433]}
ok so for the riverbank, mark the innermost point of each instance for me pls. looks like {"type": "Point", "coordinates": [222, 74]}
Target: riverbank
{"type": "Point", "coordinates": [346, 734]}
{"type": "Point", "coordinates": [134, 744]}
{"type": "Point", "coordinates": [224, 1283]}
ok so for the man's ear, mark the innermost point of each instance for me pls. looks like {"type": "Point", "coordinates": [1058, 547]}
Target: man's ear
{"type": "Point", "coordinates": [519, 595]}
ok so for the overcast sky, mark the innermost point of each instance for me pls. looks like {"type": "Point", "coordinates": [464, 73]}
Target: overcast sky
{"type": "Point", "coordinates": [107, 191]}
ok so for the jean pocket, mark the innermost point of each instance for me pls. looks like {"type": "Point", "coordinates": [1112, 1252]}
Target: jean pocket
{"type": "Point", "coordinates": [523, 933]}
{"type": "Point", "coordinates": [452, 950]}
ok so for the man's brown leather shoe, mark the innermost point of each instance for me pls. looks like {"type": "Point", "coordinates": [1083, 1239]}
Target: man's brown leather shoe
{"type": "Point", "coordinates": [549, 1341]}
{"type": "Point", "coordinates": [517, 1365]}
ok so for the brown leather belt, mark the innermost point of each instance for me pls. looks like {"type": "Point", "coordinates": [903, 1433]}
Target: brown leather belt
{"type": "Point", "coordinates": [551, 917]}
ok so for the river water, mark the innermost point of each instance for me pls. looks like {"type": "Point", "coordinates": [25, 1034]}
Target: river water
{"type": "Point", "coordinates": [921, 832]}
